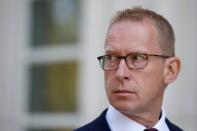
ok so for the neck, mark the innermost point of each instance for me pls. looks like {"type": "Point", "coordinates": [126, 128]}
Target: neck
{"type": "Point", "coordinates": [148, 119]}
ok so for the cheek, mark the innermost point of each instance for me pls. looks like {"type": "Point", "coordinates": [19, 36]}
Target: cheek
{"type": "Point", "coordinates": [110, 82]}
{"type": "Point", "coordinates": [108, 86]}
{"type": "Point", "coordinates": [108, 78]}
{"type": "Point", "coordinates": [152, 83]}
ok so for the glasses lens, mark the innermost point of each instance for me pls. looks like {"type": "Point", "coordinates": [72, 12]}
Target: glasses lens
{"type": "Point", "coordinates": [133, 61]}
{"type": "Point", "coordinates": [109, 62]}
{"type": "Point", "coordinates": [136, 61]}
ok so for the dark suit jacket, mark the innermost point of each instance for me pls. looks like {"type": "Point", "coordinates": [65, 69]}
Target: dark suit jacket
{"type": "Point", "coordinates": [100, 124]}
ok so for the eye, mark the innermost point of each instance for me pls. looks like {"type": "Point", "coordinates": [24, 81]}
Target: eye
{"type": "Point", "coordinates": [136, 58]}
{"type": "Point", "coordinates": [110, 58]}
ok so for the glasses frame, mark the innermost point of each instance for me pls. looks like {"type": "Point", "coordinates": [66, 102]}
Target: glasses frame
{"type": "Point", "coordinates": [125, 57]}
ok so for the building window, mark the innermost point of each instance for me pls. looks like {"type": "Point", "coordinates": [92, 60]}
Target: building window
{"type": "Point", "coordinates": [54, 87]}
{"type": "Point", "coordinates": [55, 22]}
{"type": "Point", "coordinates": [54, 64]}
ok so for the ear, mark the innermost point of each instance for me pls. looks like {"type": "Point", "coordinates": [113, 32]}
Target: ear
{"type": "Point", "coordinates": [172, 69]}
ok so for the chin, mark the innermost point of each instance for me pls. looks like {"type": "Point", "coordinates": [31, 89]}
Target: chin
{"type": "Point", "coordinates": [124, 107]}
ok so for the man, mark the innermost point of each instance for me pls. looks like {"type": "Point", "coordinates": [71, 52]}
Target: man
{"type": "Point", "coordinates": [138, 64]}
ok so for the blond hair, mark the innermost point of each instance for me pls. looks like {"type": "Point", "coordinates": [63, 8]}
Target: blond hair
{"type": "Point", "coordinates": [165, 30]}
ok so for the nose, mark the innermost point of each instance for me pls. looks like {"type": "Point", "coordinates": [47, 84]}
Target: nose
{"type": "Point", "coordinates": [123, 71]}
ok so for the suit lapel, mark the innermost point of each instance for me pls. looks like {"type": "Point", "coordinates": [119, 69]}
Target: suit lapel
{"type": "Point", "coordinates": [172, 127]}
{"type": "Point", "coordinates": [102, 124]}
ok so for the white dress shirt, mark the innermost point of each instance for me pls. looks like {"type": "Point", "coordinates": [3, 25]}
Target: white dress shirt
{"type": "Point", "coordinates": [119, 122]}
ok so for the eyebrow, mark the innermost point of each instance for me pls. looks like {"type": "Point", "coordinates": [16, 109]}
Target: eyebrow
{"type": "Point", "coordinates": [111, 53]}
{"type": "Point", "coordinates": [111, 50]}
{"type": "Point", "coordinates": [114, 51]}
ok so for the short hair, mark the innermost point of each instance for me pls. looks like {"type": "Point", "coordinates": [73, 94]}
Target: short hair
{"type": "Point", "coordinates": [164, 29]}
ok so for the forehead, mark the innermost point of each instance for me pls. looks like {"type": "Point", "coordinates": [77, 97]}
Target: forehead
{"type": "Point", "coordinates": [132, 37]}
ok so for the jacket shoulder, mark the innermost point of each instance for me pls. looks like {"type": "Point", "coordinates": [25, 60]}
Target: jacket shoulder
{"type": "Point", "coordinates": [99, 124]}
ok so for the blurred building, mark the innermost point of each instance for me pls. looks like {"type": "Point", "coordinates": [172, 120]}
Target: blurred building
{"type": "Point", "coordinates": [50, 79]}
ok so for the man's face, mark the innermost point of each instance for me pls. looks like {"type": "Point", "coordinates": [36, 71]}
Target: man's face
{"type": "Point", "coordinates": [134, 91]}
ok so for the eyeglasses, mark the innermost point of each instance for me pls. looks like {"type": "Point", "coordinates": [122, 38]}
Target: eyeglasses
{"type": "Point", "coordinates": [133, 61]}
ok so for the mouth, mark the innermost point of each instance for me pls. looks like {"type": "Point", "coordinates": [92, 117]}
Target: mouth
{"type": "Point", "coordinates": [124, 92]}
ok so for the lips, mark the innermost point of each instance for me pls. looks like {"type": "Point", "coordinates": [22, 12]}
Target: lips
{"type": "Point", "coordinates": [124, 93]}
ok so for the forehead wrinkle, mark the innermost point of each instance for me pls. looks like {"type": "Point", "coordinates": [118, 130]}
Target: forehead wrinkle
{"type": "Point", "coordinates": [111, 49]}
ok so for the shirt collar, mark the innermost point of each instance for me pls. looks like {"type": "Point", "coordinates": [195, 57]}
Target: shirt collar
{"type": "Point", "coordinates": [119, 122]}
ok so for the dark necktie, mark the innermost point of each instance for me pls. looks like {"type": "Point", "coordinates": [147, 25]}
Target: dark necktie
{"type": "Point", "coordinates": [150, 129]}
